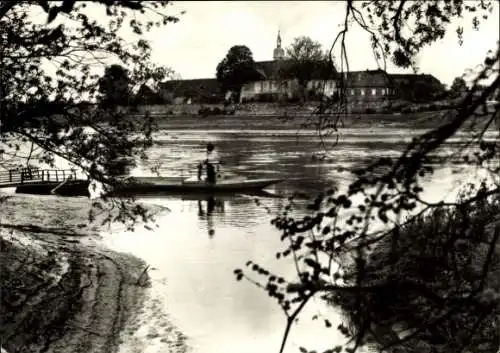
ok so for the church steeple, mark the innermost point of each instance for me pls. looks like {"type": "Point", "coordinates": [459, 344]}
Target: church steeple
{"type": "Point", "coordinates": [278, 52]}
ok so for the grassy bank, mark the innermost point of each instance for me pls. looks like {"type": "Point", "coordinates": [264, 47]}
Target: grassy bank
{"type": "Point", "coordinates": [423, 120]}
{"type": "Point", "coordinates": [436, 284]}
{"type": "Point", "coordinates": [411, 120]}
{"type": "Point", "coordinates": [61, 289]}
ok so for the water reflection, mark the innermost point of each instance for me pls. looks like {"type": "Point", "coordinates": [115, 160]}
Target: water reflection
{"type": "Point", "coordinates": [205, 213]}
{"type": "Point", "coordinates": [219, 209]}
{"type": "Point", "coordinates": [212, 204]}
{"type": "Point", "coordinates": [217, 313]}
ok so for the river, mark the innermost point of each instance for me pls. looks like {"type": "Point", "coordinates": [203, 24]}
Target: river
{"type": "Point", "coordinates": [196, 246]}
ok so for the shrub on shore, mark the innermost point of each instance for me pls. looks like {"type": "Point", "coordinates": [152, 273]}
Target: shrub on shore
{"type": "Point", "coordinates": [436, 284]}
{"type": "Point", "coordinates": [207, 111]}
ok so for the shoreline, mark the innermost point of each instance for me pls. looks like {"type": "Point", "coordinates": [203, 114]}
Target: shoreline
{"type": "Point", "coordinates": [65, 290]}
{"type": "Point", "coordinates": [422, 120]}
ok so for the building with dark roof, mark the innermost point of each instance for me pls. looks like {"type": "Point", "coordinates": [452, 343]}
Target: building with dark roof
{"type": "Point", "coordinates": [146, 95]}
{"type": "Point", "coordinates": [416, 87]}
{"type": "Point", "coordinates": [366, 86]}
{"type": "Point", "coordinates": [279, 77]}
{"type": "Point", "coordinates": [202, 90]}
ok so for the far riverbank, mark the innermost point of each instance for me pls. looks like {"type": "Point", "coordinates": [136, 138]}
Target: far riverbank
{"type": "Point", "coordinates": [428, 120]}
{"type": "Point", "coordinates": [187, 117]}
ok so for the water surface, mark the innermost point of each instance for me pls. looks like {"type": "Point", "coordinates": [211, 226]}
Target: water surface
{"type": "Point", "coordinates": [217, 313]}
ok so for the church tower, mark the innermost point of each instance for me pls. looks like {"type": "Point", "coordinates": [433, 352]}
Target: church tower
{"type": "Point", "coordinates": [279, 52]}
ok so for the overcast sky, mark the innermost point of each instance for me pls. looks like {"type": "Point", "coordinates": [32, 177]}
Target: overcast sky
{"type": "Point", "coordinates": [199, 41]}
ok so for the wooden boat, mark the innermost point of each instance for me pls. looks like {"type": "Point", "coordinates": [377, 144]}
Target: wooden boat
{"type": "Point", "coordinates": [193, 195]}
{"type": "Point", "coordinates": [160, 184]}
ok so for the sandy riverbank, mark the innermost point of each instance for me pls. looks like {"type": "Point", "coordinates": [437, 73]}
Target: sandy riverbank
{"type": "Point", "coordinates": [275, 122]}
{"type": "Point", "coordinates": [63, 290]}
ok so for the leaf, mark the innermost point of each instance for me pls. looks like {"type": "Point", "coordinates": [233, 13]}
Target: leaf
{"type": "Point", "coordinates": [311, 263]}
{"type": "Point", "coordinates": [383, 217]}
{"type": "Point", "coordinates": [44, 5]}
{"type": "Point", "coordinates": [67, 6]}
{"type": "Point", "coordinates": [347, 203]}
{"type": "Point", "coordinates": [134, 5]}
{"type": "Point", "coordinates": [53, 11]}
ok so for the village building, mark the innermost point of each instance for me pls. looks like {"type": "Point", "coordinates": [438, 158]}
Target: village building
{"type": "Point", "coordinates": [367, 86]}
{"type": "Point", "coordinates": [203, 90]}
{"type": "Point", "coordinates": [276, 77]}
{"type": "Point", "coordinates": [417, 87]}
{"type": "Point", "coordinates": [277, 80]}
{"type": "Point", "coordinates": [146, 95]}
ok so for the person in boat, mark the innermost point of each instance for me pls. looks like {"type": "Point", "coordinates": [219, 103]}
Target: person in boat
{"type": "Point", "coordinates": [211, 163]}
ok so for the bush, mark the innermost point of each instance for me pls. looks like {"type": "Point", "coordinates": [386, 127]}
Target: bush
{"type": "Point", "coordinates": [209, 99]}
{"type": "Point", "coordinates": [335, 97]}
{"type": "Point", "coordinates": [204, 111]}
{"type": "Point", "coordinates": [268, 97]}
{"type": "Point", "coordinates": [443, 254]}
{"type": "Point", "coordinates": [293, 99]}
{"type": "Point", "coordinates": [312, 95]}
{"type": "Point", "coordinates": [399, 106]}
{"type": "Point", "coordinates": [245, 100]}
{"type": "Point", "coordinates": [405, 110]}
{"type": "Point", "coordinates": [207, 111]}
{"type": "Point", "coordinates": [262, 98]}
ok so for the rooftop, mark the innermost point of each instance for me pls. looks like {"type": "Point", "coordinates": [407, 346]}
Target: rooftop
{"type": "Point", "coordinates": [285, 69]}
{"type": "Point", "coordinates": [288, 69]}
{"type": "Point", "coordinates": [183, 88]}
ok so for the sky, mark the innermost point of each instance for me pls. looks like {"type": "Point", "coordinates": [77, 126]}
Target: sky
{"type": "Point", "coordinates": [199, 41]}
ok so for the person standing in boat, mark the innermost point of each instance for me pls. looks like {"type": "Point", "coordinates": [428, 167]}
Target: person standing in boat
{"type": "Point", "coordinates": [211, 163]}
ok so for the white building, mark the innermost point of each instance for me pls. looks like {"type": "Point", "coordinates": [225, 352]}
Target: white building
{"type": "Point", "coordinates": [277, 78]}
